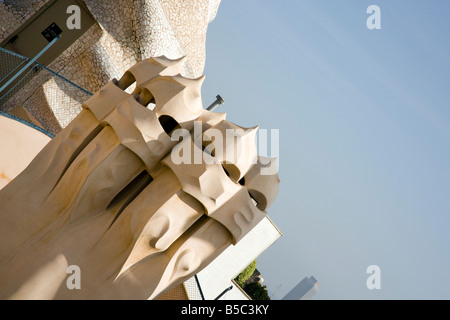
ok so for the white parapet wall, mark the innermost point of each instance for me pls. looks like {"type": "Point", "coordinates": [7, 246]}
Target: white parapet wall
{"type": "Point", "coordinates": [218, 276]}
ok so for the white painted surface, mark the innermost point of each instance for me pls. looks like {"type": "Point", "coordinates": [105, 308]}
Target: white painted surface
{"type": "Point", "coordinates": [215, 278]}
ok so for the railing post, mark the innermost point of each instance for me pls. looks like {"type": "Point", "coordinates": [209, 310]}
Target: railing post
{"type": "Point", "coordinates": [29, 63]}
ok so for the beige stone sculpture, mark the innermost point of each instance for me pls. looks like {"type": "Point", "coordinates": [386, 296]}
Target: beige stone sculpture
{"type": "Point", "coordinates": [109, 195]}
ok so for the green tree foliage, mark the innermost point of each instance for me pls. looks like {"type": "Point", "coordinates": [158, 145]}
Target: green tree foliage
{"type": "Point", "coordinates": [246, 273]}
{"type": "Point", "coordinates": [256, 291]}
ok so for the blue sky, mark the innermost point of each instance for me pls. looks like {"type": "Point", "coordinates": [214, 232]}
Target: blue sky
{"type": "Point", "coordinates": [364, 124]}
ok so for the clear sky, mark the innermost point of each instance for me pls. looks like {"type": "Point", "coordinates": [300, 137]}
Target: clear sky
{"type": "Point", "coordinates": [364, 120]}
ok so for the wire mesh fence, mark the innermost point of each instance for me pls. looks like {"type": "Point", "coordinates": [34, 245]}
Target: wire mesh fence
{"type": "Point", "coordinates": [193, 289]}
{"type": "Point", "coordinates": [38, 95]}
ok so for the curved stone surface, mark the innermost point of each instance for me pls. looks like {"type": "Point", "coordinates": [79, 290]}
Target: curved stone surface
{"type": "Point", "coordinates": [105, 196]}
{"type": "Point", "coordinates": [19, 144]}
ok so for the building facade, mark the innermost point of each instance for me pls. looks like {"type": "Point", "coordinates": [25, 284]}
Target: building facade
{"type": "Point", "coordinates": [304, 290]}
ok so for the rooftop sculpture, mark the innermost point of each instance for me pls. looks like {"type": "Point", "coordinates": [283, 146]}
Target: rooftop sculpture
{"type": "Point", "coordinates": [139, 199]}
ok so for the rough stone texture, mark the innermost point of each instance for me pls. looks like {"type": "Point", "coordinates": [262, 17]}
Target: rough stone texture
{"type": "Point", "coordinates": [49, 99]}
{"type": "Point", "coordinates": [14, 13]}
{"type": "Point", "coordinates": [127, 31]}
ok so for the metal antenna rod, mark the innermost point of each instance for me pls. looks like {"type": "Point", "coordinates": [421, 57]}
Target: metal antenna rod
{"type": "Point", "coordinates": [216, 103]}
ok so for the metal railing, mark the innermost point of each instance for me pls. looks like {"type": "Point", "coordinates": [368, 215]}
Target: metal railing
{"type": "Point", "coordinates": [194, 289]}
{"type": "Point", "coordinates": [7, 115]}
{"type": "Point", "coordinates": [49, 98]}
